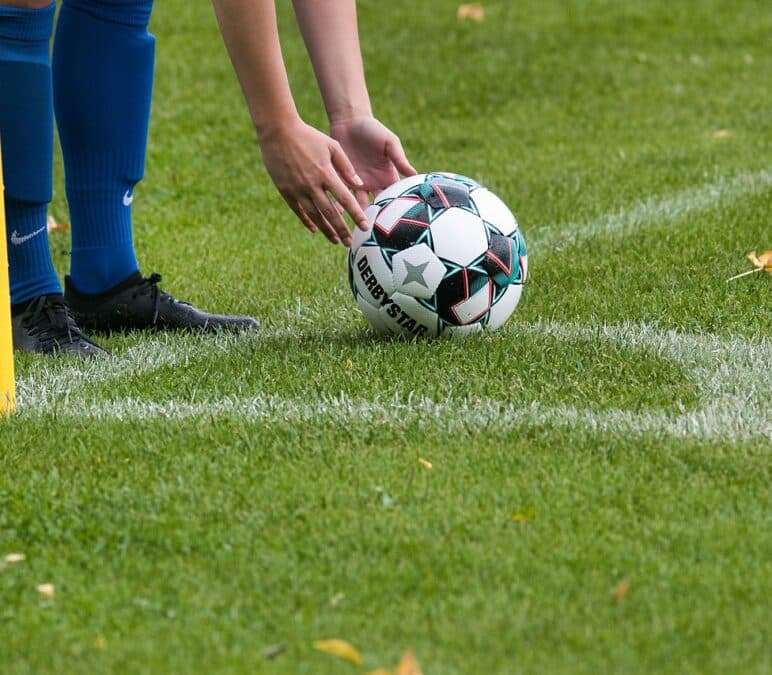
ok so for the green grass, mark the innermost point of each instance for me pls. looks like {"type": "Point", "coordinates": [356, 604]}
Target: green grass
{"type": "Point", "coordinates": [197, 500]}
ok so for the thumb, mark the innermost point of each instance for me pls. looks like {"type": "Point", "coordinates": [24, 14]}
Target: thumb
{"type": "Point", "coordinates": [397, 156]}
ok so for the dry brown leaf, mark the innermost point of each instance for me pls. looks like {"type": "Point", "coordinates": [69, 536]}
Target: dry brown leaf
{"type": "Point", "coordinates": [761, 263]}
{"type": "Point", "coordinates": [473, 11]}
{"type": "Point", "coordinates": [425, 463]}
{"type": "Point", "coordinates": [620, 592]}
{"type": "Point", "coordinates": [53, 226]}
{"type": "Point", "coordinates": [340, 648]}
{"type": "Point", "coordinates": [764, 261]}
{"type": "Point", "coordinates": [408, 665]}
{"type": "Point", "coordinates": [525, 516]}
{"type": "Point", "coordinates": [46, 591]}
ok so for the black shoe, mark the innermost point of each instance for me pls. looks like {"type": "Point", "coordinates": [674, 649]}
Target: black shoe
{"type": "Point", "coordinates": [46, 326]}
{"type": "Point", "coordinates": [137, 303]}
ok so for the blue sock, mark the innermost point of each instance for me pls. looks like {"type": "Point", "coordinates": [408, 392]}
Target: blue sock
{"type": "Point", "coordinates": [103, 78]}
{"type": "Point", "coordinates": [26, 128]}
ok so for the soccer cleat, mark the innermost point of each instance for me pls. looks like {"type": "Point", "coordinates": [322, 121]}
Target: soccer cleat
{"type": "Point", "coordinates": [137, 303]}
{"type": "Point", "coordinates": [46, 326]}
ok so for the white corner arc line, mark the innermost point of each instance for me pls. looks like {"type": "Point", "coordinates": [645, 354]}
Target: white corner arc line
{"type": "Point", "coordinates": [734, 401]}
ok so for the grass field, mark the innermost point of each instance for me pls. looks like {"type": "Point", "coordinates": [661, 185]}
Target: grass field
{"type": "Point", "coordinates": [598, 498]}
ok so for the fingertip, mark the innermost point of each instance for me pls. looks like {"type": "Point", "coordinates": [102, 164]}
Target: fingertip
{"type": "Point", "coordinates": [405, 167]}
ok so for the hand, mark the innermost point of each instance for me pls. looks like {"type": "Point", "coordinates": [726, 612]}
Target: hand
{"type": "Point", "coordinates": [313, 174]}
{"type": "Point", "coordinates": [375, 152]}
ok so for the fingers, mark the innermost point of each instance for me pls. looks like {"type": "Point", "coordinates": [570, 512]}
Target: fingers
{"type": "Point", "coordinates": [397, 156]}
{"type": "Point", "coordinates": [352, 205]}
{"type": "Point", "coordinates": [331, 219]}
{"type": "Point", "coordinates": [343, 166]}
{"type": "Point", "coordinates": [321, 213]}
{"type": "Point", "coordinates": [340, 191]}
{"type": "Point", "coordinates": [363, 198]}
{"type": "Point", "coordinates": [301, 213]}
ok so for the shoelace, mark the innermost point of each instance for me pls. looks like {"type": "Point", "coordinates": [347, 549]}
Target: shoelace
{"type": "Point", "coordinates": [50, 317]}
{"type": "Point", "coordinates": [149, 285]}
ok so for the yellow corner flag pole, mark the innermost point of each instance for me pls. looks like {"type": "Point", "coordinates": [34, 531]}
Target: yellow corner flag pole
{"type": "Point", "coordinates": [7, 388]}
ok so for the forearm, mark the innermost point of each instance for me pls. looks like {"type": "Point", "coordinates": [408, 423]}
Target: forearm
{"type": "Point", "coordinates": [251, 37]}
{"type": "Point", "coordinates": [329, 29]}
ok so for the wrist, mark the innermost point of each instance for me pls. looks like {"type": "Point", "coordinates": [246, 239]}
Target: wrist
{"type": "Point", "coordinates": [349, 113]}
{"type": "Point", "coordinates": [278, 125]}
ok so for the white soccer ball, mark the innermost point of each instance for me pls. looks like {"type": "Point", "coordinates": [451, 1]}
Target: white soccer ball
{"type": "Point", "coordinates": [443, 256]}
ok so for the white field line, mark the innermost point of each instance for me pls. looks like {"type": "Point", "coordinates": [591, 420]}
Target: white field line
{"type": "Point", "coordinates": [653, 211]}
{"type": "Point", "coordinates": [47, 382]}
{"type": "Point", "coordinates": [735, 402]}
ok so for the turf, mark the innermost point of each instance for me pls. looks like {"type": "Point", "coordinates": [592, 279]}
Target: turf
{"type": "Point", "coordinates": [598, 497]}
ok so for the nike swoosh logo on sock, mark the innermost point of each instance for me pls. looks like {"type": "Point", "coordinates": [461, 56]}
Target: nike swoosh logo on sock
{"type": "Point", "coordinates": [128, 198]}
{"type": "Point", "coordinates": [17, 240]}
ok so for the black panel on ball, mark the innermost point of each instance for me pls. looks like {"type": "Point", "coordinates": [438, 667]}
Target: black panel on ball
{"type": "Point", "coordinates": [499, 260]}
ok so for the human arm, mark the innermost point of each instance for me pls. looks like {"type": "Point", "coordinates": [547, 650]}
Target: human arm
{"type": "Point", "coordinates": [304, 163]}
{"type": "Point", "coordinates": [330, 32]}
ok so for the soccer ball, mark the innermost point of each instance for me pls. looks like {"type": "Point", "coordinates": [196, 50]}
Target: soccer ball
{"type": "Point", "coordinates": [443, 256]}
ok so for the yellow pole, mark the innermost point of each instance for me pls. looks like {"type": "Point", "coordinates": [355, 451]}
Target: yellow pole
{"type": "Point", "coordinates": [7, 388]}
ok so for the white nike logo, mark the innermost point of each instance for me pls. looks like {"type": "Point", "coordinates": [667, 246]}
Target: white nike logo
{"type": "Point", "coordinates": [16, 240]}
{"type": "Point", "coordinates": [128, 198]}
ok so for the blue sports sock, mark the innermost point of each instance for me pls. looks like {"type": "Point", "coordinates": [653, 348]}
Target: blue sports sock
{"type": "Point", "coordinates": [103, 78]}
{"type": "Point", "coordinates": [26, 128]}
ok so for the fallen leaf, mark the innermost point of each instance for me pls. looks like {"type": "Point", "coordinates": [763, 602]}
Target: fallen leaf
{"type": "Point", "coordinates": [15, 558]}
{"type": "Point", "coordinates": [272, 651]}
{"type": "Point", "coordinates": [53, 226]}
{"type": "Point", "coordinates": [426, 464]}
{"type": "Point", "coordinates": [46, 591]}
{"type": "Point", "coordinates": [524, 516]}
{"type": "Point", "coordinates": [764, 260]}
{"type": "Point", "coordinates": [348, 363]}
{"type": "Point", "coordinates": [620, 592]}
{"type": "Point", "coordinates": [340, 648]}
{"type": "Point", "coordinates": [473, 11]}
{"type": "Point", "coordinates": [408, 665]}
{"type": "Point", "coordinates": [761, 263]}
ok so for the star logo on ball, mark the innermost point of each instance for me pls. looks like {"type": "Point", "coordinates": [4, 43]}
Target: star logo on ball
{"type": "Point", "coordinates": [415, 273]}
